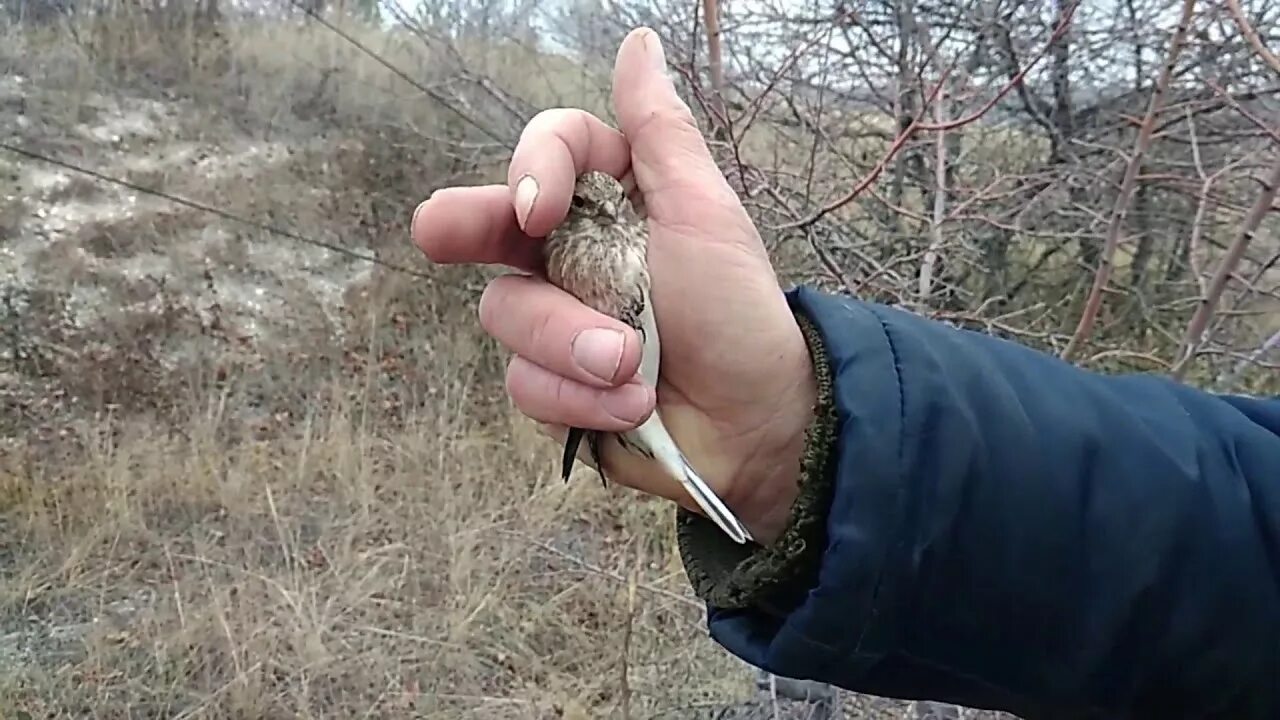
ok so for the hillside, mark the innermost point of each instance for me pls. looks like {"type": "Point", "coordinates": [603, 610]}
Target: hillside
{"type": "Point", "coordinates": [256, 459]}
{"type": "Point", "coordinates": [243, 475]}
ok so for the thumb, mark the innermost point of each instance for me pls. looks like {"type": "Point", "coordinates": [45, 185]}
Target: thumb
{"type": "Point", "coordinates": [670, 159]}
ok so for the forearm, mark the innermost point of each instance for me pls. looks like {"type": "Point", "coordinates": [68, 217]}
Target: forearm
{"type": "Point", "coordinates": [1001, 529]}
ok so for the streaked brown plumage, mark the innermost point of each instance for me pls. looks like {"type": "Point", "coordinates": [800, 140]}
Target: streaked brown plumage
{"type": "Point", "coordinates": [599, 254]}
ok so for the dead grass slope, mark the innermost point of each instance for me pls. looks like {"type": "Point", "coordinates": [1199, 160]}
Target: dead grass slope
{"type": "Point", "coordinates": [246, 477]}
{"type": "Point", "coordinates": [243, 476]}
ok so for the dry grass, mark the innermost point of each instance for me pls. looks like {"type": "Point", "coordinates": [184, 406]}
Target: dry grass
{"type": "Point", "coordinates": [242, 477]}
{"type": "Point", "coordinates": [338, 567]}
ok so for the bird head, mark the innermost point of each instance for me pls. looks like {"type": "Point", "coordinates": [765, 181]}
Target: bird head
{"type": "Point", "coordinates": [599, 252]}
{"type": "Point", "coordinates": [598, 197]}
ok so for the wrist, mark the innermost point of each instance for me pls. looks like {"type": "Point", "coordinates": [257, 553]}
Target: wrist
{"type": "Point", "coordinates": [767, 492]}
{"type": "Point", "coordinates": [729, 575]}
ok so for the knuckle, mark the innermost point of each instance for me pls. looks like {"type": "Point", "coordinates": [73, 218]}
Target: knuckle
{"type": "Point", "coordinates": [555, 119]}
{"type": "Point", "coordinates": [544, 395]}
{"type": "Point", "coordinates": [529, 390]}
{"type": "Point", "coordinates": [541, 332]}
{"type": "Point", "coordinates": [560, 393]}
{"type": "Point", "coordinates": [516, 313]}
{"type": "Point", "coordinates": [675, 116]}
{"type": "Point", "coordinates": [548, 126]}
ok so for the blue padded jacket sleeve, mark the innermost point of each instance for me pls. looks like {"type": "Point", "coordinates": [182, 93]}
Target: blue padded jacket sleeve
{"type": "Point", "coordinates": [1009, 531]}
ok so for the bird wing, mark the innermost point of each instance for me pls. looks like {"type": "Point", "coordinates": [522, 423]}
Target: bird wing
{"type": "Point", "coordinates": [647, 324]}
{"type": "Point", "coordinates": [653, 440]}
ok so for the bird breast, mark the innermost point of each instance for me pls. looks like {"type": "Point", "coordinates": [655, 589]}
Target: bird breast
{"type": "Point", "coordinates": [604, 266]}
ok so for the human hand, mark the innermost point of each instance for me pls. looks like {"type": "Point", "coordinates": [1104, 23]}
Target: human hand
{"type": "Point", "coordinates": [736, 386]}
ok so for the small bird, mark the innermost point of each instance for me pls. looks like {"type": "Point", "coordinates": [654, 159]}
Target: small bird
{"type": "Point", "coordinates": [599, 254]}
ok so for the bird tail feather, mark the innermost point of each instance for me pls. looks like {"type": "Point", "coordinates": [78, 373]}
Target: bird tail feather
{"type": "Point", "coordinates": [571, 444]}
{"type": "Point", "coordinates": [653, 435]}
{"type": "Point", "coordinates": [712, 505]}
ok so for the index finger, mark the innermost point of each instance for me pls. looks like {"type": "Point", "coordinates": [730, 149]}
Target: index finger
{"type": "Point", "coordinates": [473, 225]}
{"type": "Point", "coordinates": [556, 146]}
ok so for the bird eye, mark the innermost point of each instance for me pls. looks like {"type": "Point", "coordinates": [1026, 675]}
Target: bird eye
{"type": "Point", "coordinates": [578, 202]}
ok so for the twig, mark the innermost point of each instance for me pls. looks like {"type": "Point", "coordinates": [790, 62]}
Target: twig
{"type": "Point", "coordinates": [625, 690]}
{"type": "Point", "coordinates": [601, 571]}
{"type": "Point", "coordinates": [1229, 381]}
{"type": "Point", "coordinates": [1209, 303]}
{"type": "Point", "coordinates": [917, 126]}
{"type": "Point", "coordinates": [1244, 112]}
{"type": "Point", "coordinates": [939, 203]}
{"type": "Point", "coordinates": [1121, 353]}
{"type": "Point", "coordinates": [177, 592]}
{"type": "Point", "coordinates": [753, 108]}
{"type": "Point", "coordinates": [1202, 205]}
{"type": "Point", "coordinates": [875, 171]}
{"type": "Point", "coordinates": [437, 97]}
{"type": "Point", "coordinates": [1251, 34]}
{"type": "Point", "coordinates": [711, 16]}
{"type": "Point", "coordinates": [1084, 328]}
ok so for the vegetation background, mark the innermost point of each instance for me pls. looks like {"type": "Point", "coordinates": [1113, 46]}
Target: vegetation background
{"type": "Point", "coordinates": [255, 455]}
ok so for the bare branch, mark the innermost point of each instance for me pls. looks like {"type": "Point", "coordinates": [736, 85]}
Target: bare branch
{"type": "Point", "coordinates": [711, 16]}
{"type": "Point", "coordinates": [916, 125]}
{"type": "Point", "coordinates": [1121, 210]}
{"type": "Point", "coordinates": [1205, 309]}
{"type": "Point", "coordinates": [1251, 34]}
{"type": "Point", "coordinates": [939, 203]}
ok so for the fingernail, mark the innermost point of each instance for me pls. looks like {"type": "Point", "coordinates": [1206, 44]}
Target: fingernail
{"type": "Point", "coordinates": [413, 223]}
{"type": "Point", "coordinates": [599, 352]}
{"type": "Point", "coordinates": [628, 403]}
{"type": "Point", "coordinates": [526, 193]}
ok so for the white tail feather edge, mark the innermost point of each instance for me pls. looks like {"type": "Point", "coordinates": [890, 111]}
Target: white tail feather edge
{"type": "Point", "coordinates": [652, 434]}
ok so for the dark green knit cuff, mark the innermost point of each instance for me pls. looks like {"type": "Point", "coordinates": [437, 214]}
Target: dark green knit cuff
{"type": "Point", "coordinates": [726, 574]}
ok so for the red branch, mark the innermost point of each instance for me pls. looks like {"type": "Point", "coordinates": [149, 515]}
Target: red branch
{"type": "Point", "coordinates": [1251, 34]}
{"type": "Point", "coordinates": [917, 126]}
{"type": "Point", "coordinates": [1084, 328]}
{"type": "Point", "coordinates": [1213, 294]}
